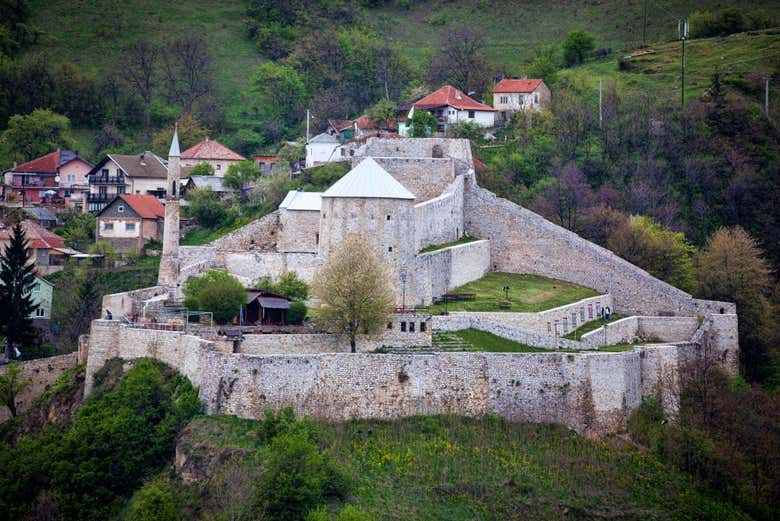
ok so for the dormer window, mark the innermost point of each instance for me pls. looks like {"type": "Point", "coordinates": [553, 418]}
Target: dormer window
{"type": "Point", "coordinates": [120, 208]}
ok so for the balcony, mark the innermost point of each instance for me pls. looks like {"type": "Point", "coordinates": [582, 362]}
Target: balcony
{"type": "Point", "coordinates": [98, 198]}
{"type": "Point", "coordinates": [107, 180]}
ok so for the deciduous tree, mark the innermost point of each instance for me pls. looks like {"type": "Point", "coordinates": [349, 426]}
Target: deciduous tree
{"type": "Point", "coordinates": [460, 61]}
{"type": "Point", "coordinates": [11, 384]}
{"type": "Point", "coordinates": [576, 46]}
{"type": "Point", "coordinates": [35, 134]}
{"type": "Point", "coordinates": [216, 291]}
{"type": "Point", "coordinates": [354, 290]}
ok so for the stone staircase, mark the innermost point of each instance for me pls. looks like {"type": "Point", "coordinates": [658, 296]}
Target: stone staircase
{"type": "Point", "coordinates": [449, 341]}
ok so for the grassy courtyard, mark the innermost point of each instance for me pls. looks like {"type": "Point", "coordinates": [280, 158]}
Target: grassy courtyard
{"type": "Point", "coordinates": [593, 325]}
{"type": "Point", "coordinates": [476, 340]}
{"type": "Point", "coordinates": [527, 293]}
{"type": "Point", "coordinates": [463, 240]}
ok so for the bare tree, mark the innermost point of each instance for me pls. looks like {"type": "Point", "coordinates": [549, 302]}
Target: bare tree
{"type": "Point", "coordinates": [142, 73]}
{"type": "Point", "coordinates": [188, 69]}
{"type": "Point", "coordinates": [354, 290]}
{"type": "Point", "coordinates": [460, 61]}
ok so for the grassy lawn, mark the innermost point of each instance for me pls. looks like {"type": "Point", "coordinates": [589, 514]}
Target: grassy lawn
{"type": "Point", "coordinates": [490, 343]}
{"type": "Point", "coordinates": [527, 293]}
{"type": "Point", "coordinates": [198, 236]}
{"type": "Point", "coordinates": [593, 325]}
{"type": "Point", "coordinates": [462, 240]}
{"type": "Point", "coordinates": [455, 468]}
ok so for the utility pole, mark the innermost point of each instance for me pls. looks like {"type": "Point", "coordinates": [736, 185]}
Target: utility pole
{"type": "Point", "coordinates": [644, 28]}
{"type": "Point", "coordinates": [767, 79]}
{"type": "Point", "coordinates": [307, 125]}
{"type": "Point", "coordinates": [601, 117]}
{"type": "Point", "coordinates": [682, 31]}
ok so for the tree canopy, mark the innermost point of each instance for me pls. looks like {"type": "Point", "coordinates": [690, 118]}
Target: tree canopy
{"type": "Point", "coordinates": [16, 284]}
{"type": "Point", "coordinates": [216, 291]}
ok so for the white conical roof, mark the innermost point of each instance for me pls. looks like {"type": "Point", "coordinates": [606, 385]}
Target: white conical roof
{"type": "Point", "coordinates": [369, 180]}
{"type": "Point", "coordinates": [174, 151]}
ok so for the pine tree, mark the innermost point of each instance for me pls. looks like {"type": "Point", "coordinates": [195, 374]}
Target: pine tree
{"type": "Point", "coordinates": [16, 283]}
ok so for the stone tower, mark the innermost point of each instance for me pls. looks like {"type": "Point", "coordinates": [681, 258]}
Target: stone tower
{"type": "Point", "coordinates": [169, 262]}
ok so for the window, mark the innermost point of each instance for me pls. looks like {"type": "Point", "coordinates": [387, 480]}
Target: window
{"type": "Point", "coordinates": [120, 208]}
{"type": "Point", "coordinates": [388, 217]}
{"type": "Point", "coordinates": [130, 227]}
{"type": "Point", "coordinates": [219, 167]}
{"type": "Point", "coordinates": [343, 152]}
{"type": "Point", "coordinates": [549, 327]}
{"type": "Point", "coordinates": [389, 325]}
{"type": "Point", "coordinates": [574, 320]}
{"type": "Point", "coordinates": [108, 226]}
{"type": "Point", "coordinates": [471, 114]}
{"type": "Point", "coordinates": [422, 327]}
{"type": "Point", "coordinates": [71, 178]}
{"type": "Point", "coordinates": [403, 327]}
{"type": "Point", "coordinates": [590, 310]}
{"type": "Point", "coordinates": [565, 325]}
{"type": "Point", "coordinates": [316, 238]}
{"type": "Point", "coordinates": [104, 172]}
{"type": "Point", "coordinates": [120, 190]}
{"type": "Point", "coordinates": [598, 309]}
{"type": "Point", "coordinates": [39, 312]}
{"type": "Point", "coordinates": [556, 328]}
{"type": "Point", "coordinates": [582, 314]}
{"type": "Point", "coordinates": [36, 288]}
{"type": "Point", "coordinates": [504, 99]}
{"type": "Point", "coordinates": [411, 327]}
{"type": "Point", "coordinates": [536, 97]}
{"type": "Point", "coordinates": [389, 248]}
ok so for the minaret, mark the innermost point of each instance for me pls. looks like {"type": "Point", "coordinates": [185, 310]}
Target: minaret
{"type": "Point", "coordinates": [169, 262]}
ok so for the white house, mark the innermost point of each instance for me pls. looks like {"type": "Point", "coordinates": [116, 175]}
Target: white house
{"type": "Point", "coordinates": [512, 94]}
{"type": "Point", "coordinates": [324, 148]}
{"type": "Point", "coordinates": [450, 105]}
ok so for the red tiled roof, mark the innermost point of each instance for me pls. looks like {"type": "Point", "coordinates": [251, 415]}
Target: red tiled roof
{"type": "Point", "coordinates": [211, 149]}
{"type": "Point", "coordinates": [47, 164]}
{"type": "Point", "coordinates": [449, 95]}
{"type": "Point", "coordinates": [264, 158]}
{"type": "Point", "coordinates": [511, 85]}
{"type": "Point", "coordinates": [340, 124]}
{"type": "Point", "coordinates": [146, 206]}
{"type": "Point", "coordinates": [364, 122]}
{"type": "Point", "coordinates": [37, 236]}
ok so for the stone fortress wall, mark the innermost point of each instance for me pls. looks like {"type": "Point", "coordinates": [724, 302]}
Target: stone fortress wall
{"type": "Point", "coordinates": [440, 220]}
{"type": "Point", "coordinates": [591, 393]}
{"type": "Point", "coordinates": [440, 271]}
{"type": "Point", "coordinates": [40, 375]}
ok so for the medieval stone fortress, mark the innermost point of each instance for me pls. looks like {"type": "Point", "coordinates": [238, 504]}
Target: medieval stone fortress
{"type": "Point", "coordinates": [417, 200]}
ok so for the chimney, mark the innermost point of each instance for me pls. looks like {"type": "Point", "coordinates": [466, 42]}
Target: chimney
{"type": "Point", "coordinates": [524, 77]}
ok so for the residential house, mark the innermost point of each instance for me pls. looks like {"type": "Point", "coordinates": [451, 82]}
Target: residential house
{"type": "Point", "coordinates": [513, 94]}
{"type": "Point", "coordinates": [450, 105]}
{"type": "Point", "coordinates": [48, 250]}
{"type": "Point", "coordinates": [212, 152]}
{"type": "Point", "coordinates": [117, 174]}
{"type": "Point", "coordinates": [42, 293]}
{"type": "Point", "coordinates": [362, 127]}
{"type": "Point", "coordinates": [214, 183]}
{"type": "Point", "coordinates": [324, 148]}
{"type": "Point", "coordinates": [60, 174]}
{"type": "Point", "coordinates": [129, 221]}
{"type": "Point", "coordinates": [265, 163]}
{"type": "Point", "coordinates": [42, 216]}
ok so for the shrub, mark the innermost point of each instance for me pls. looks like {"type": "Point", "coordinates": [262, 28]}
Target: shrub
{"type": "Point", "coordinates": [297, 312]}
{"type": "Point", "coordinates": [216, 291]}
{"type": "Point", "coordinates": [206, 208]}
{"type": "Point", "coordinates": [154, 502]}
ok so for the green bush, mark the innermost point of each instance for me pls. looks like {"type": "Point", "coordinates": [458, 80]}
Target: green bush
{"type": "Point", "coordinates": [216, 291]}
{"type": "Point", "coordinates": [206, 208]}
{"type": "Point", "coordinates": [289, 285]}
{"type": "Point", "coordinates": [154, 502]}
{"type": "Point", "coordinates": [297, 312]}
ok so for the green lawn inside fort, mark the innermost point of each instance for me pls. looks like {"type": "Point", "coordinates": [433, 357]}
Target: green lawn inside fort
{"type": "Point", "coordinates": [463, 240]}
{"type": "Point", "coordinates": [592, 325]}
{"type": "Point", "coordinates": [476, 340]}
{"type": "Point", "coordinates": [527, 293]}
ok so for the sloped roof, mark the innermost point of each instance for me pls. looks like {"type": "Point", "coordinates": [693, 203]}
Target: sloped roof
{"type": "Point", "coordinates": [340, 124]}
{"type": "Point", "coordinates": [47, 164]}
{"type": "Point", "coordinates": [146, 164]}
{"type": "Point", "coordinates": [449, 95]}
{"type": "Point", "coordinates": [324, 138]}
{"type": "Point", "coordinates": [514, 85]}
{"type": "Point", "coordinates": [41, 213]}
{"type": "Point", "coordinates": [211, 149]}
{"type": "Point", "coordinates": [37, 236]}
{"type": "Point", "coordinates": [146, 206]}
{"type": "Point", "coordinates": [296, 200]}
{"type": "Point", "coordinates": [214, 182]}
{"type": "Point", "coordinates": [368, 180]}
{"type": "Point", "coordinates": [174, 151]}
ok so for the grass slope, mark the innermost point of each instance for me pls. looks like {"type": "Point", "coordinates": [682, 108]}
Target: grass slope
{"type": "Point", "coordinates": [527, 293]}
{"type": "Point", "coordinates": [733, 56]}
{"type": "Point", "coordinates": [514, 29]}
{"type": "Point", "coordinates": [453, 468]}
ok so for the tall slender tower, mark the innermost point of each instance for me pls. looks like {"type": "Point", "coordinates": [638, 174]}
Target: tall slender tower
{"type": "Point", "coordinates": [169, 262]}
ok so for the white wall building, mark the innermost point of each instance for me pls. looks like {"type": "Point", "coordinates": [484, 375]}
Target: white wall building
{"type": "Point", "coordinates": [449, 105]}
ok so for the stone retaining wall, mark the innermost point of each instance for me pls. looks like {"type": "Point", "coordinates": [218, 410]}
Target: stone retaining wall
{"type": "Point", "coordinates": [440, 220]}
{"type": "Point", "coordinates": [40, 375]}
{"type": "Point", "coordinates": [440, 271]}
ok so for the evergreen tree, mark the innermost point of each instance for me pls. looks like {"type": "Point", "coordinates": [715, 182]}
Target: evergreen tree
{"type": "Point", "coordinates": [16, 283]}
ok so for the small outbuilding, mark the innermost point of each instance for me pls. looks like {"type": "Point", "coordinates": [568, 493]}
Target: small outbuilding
{"type": "Point", "coordinates": [264, 307]}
